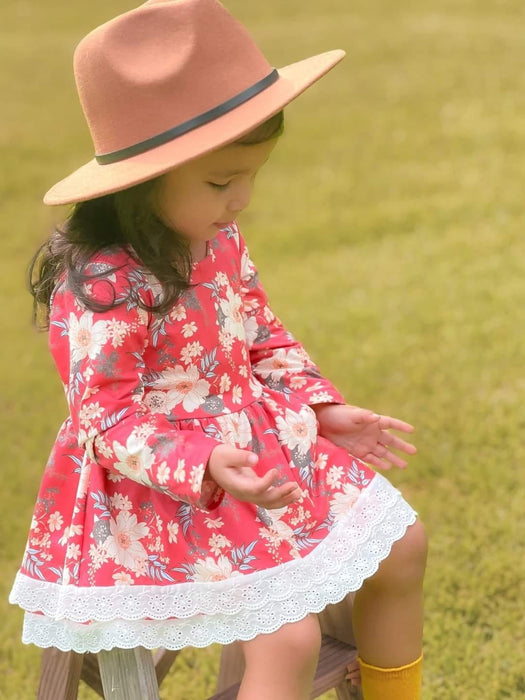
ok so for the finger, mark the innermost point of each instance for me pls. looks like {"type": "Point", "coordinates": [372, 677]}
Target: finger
{"type": "Point", "coordinates": [389, 423]}
{"type": "Point", "coordinates": [377, 461]}
{"type": "Point", "coordinates": [274, 503]}
{"type": "Point", "coordinates": [263, 483]}
{"type": "Point", "coordinates": [397, 443]}
{"type": "Point", "coordinates": [364, 415]}
{"type": "Point", "coordinates": [281, 496]}
{"type": "Point", "coordinates": [392, 458]}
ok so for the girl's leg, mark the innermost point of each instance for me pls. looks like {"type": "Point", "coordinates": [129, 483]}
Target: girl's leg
{"type": "Point", "coordinates": [388, 616]}
{"type": "Point", "coordinates": [281, 665]}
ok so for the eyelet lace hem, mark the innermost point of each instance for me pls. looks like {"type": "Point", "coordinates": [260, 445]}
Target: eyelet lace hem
{"type": "Point", "coordinates": [241, 607]}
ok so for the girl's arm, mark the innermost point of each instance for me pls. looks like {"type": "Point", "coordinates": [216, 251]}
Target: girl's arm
{"type": "Point", "coordinates": [104, 357]}
{"type": "Point", "coordinates": [278, 360]}
{"type": "Point", "coordinates": [282, 363]}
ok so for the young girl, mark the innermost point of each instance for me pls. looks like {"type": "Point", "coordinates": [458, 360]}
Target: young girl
{"type": "Point", "coordinates": [207, 485]}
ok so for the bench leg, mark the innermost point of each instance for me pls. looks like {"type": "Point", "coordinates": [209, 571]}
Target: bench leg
{"type": "Point", "coordinates": [128, 674]}
{"type": "Point", "coordinates": [60, 675]}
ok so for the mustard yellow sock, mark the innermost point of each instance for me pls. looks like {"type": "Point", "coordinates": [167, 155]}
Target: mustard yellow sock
{"type": "Point", "coordinates": [403, 683]}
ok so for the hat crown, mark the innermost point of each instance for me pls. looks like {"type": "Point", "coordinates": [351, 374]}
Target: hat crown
{"type": "Point", "coordinates": [159, 65]}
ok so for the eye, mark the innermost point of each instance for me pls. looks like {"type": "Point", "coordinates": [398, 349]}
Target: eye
{"type": "Point", "coordinates": [219, 185]}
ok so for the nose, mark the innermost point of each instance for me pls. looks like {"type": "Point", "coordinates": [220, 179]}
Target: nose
{"type": "Point", "coordinates": [240, 197]}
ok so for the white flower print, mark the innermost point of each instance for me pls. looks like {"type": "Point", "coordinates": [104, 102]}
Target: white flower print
{"type": "Point", "coordinates": [178, 313]}
{"type": "Point", "coordinates": [102, 447]}
{"type": "Point", "coordinates": [135, 459]}
{"type": "Point", "coordinates": [117, 331]}
{"type": "Point", "coordinates": [214, 523]}
{"type": "Point", "coordinates": [221, 279]}
{"type": "Point", "coordinates": [321, 461]}
{"type": "Point", "coordinates": [231, 308]}
{"type": "Point", "coordinates": [247, 267]}
{"type": "Point", "coordinates": [235, 429]}
{"type": "Point", "coordinates": [98, 555]}
{"type": "Point", "coordinates": [173, 531]}
{"type": "Point", "coordinates": [124, 545]}
{"type": "Point", "coordinates": [236, 394]}
{"type": "Point", "coordinates": [120, 501]}
{"type": "Point", "coordinates": [269, 315]}
{"type": "Point", "coordinates": [144, 431]}
{"type": "Point", "coordinates": [280, 363]}
{"type": "Point", "coordinates": [321, 397]}
{"type": "Point", "coordinates": [184, 387]}
{"type": "Point", "coordinates": [334, 475]}
{"type": "Point", "coordinates": [188, 329]}
{"type": "Point", "coordinates": [73, 551]}
{"type": "Point", "coordinates": [163, 473]}
{"type": "Point", "coordinates": [89, 413]}
{"type": "Point", "coordinates": [190, 351]}
{"type": "Point", "coordinates": [210, 569]}
{"type": "Point", "coordinates": [218, 542]}
{"type": "Point", "coordinates": [297, 383]}
{"type": "Point", "coordinates": [226, 340]}
{"type": "Point", "coordinates": [55, 521]}
{"type": "Point", "coordinates": [70, 530]}
{"type": "Point", "coordinates": [342, 502]}
{"type": "Point", "coordinates": [180, 472]}
{"type": "Point", "coordinates": [45, 541]}
{"type": "Point", "coordinates": [225, 384]}
{"type": "Point", "coordinates": [196, 475]}
{"type": "Point", "coordinates": [122, 578]}
{"type": "Point", "coordinates": [256, 387]}
{"type": "Point", "coordinates": [297, 430]}
{"type": "Point", "coordinates": [85, 337]}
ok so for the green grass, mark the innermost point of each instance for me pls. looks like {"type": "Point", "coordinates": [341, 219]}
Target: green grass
{"type": "Point", "coordinates": [388, 230]}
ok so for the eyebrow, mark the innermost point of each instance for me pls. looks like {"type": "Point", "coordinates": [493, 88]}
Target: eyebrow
{"type": "Point", "coordinates": [232, 173]}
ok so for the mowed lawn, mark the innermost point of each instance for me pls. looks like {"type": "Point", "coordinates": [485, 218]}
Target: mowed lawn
{"type": "Point", "coordinates": [389, 231]}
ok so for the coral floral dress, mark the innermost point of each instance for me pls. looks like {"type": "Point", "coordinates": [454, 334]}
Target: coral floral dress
{"type": "Point", "coordinates": [131, 542]}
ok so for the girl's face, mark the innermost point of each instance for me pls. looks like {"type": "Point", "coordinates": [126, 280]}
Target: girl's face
{"type": "Point", "coordinates": [202, 196]}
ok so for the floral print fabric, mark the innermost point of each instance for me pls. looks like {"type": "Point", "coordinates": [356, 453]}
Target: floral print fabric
{"type": "Point", "coordinates": [125, 499]}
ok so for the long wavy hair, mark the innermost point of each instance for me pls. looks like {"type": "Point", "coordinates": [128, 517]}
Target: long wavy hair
{"type": "Point", "coordinates": [125, 218]}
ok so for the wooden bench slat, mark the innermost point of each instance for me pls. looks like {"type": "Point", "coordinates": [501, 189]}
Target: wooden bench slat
{"type": "Point", "coordinates": [128, 674]}
{"type": "Point", "coordinates": [91, 673]}
{"type": "Point", "coordinates": [60, 675]}
{"type": "Point", "coordinates": [163, 660]}
{"type": "Point", "coordinates": [331, 668]}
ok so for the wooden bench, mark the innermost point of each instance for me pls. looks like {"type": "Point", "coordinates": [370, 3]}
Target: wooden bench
{"type": "Point", "coordinates": [136, 674]}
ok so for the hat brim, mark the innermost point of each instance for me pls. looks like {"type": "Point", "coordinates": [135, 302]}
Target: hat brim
{"type": "Point", "coordinates": [94, 180]}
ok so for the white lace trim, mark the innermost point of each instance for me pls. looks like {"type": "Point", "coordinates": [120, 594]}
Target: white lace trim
{"type": "Point", "coordinates": [241, 607]}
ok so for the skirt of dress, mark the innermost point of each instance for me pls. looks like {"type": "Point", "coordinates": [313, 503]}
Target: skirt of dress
{"type": "Point", "coordinates": [232, 607]}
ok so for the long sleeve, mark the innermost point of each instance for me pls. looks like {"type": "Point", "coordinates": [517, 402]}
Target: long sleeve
{"type": "Point", "coordinates": [101, 357]}
{"type": "Point", "coordinates": [277, 359]}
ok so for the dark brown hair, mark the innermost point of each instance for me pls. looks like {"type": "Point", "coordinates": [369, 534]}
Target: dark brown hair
{"type": "Point", "coordinates": [125, 218]}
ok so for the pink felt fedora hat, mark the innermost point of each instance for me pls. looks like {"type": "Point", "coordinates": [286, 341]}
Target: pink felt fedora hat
{"type": "Point", "coordinates": [167, 82]}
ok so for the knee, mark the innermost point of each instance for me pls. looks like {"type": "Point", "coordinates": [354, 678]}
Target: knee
{"type": "Point", "coordinates": [302, 641]}
{"type": "Point", "coordinates": [405, 565]}
{"type": "Point", "coordinates": [295, 646]}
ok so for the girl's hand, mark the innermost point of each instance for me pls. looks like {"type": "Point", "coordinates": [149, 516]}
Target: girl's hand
{"type": "Point", "coordinates": [232, 469]}
{"type": "Point", "coordinates": [364, 434]}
